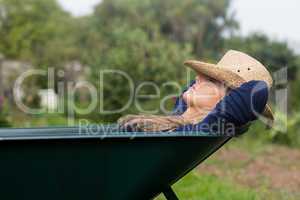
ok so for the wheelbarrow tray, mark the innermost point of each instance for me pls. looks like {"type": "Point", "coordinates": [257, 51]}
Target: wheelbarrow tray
{"type": "Point", "coordinates": [71, 163]}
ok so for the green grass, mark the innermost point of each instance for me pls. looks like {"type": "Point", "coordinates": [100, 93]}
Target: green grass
{"type": "Point", "coordinates": [197, 186]}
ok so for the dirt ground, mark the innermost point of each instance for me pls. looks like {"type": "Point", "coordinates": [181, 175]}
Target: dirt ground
{"type": "Point", "coordinates": [276, 168]}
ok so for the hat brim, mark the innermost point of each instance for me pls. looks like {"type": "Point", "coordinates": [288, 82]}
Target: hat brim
{"type": "Point", "coordinates": [230, 79]}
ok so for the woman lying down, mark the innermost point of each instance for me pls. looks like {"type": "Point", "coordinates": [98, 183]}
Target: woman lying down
{"type": "Point", "coordinates": [222, 99]}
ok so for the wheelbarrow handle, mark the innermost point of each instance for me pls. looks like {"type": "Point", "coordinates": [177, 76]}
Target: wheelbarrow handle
{"type": "Point", "coordinates": [170, 194]}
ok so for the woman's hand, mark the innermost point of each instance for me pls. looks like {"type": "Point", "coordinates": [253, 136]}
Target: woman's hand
{"type": "Point", "coordinates": [135, 122]}
{"type": "Point", "coordinates": [123, 120]}
{"type": "Point", "coordinates": [149, 123]}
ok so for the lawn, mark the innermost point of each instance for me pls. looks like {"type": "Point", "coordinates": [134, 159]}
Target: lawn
{"type": "Point", "coordinates": [245, 168]}
{"type": "Point", "coordinates": [197, 186]}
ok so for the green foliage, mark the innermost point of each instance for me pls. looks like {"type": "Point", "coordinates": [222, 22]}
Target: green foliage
{"type": "Point", "coordinates": [294, 92]}
{"type": "Point", "coordinates": [42, 120]}
{"type": "Point", "coordinates": [35, 31]}
{"type": "Point", "coordinates": [142, 58]}
{"type": "Point", "coordinates": [286, 130]}
{"type": "Point", "coordinates": [199, 23]}
{"type": "Point", "coordinates": [4, 121]}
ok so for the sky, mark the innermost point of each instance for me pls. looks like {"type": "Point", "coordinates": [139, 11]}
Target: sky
{"type": "Point", "coordinates": [278, 19]}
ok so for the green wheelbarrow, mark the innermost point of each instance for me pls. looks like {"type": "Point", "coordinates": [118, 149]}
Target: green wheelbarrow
{"type": "Point", "coordinates": [82, 163]}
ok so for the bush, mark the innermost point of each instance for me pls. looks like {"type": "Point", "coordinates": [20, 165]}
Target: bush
{"type": "Point", "coordinates": [285, 130]}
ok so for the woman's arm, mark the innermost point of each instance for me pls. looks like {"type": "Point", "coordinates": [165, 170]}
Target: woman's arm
{"type": "Point", "coordinates": [236, 109]}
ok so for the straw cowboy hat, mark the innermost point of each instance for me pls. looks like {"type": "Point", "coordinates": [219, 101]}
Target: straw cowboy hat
{"type": "Point", "coordinates": [234, 69]}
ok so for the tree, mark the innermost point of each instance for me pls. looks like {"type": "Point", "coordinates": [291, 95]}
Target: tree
{"type": "Point", "coordinates": [142, 58]}
{"type": "Point", "coordinates": [35, 31]}
{"type": "Point", "coordinates": [200, 23]}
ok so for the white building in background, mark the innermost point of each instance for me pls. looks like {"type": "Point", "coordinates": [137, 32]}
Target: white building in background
{"type": "Point", "coordinates": [48, 99]}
